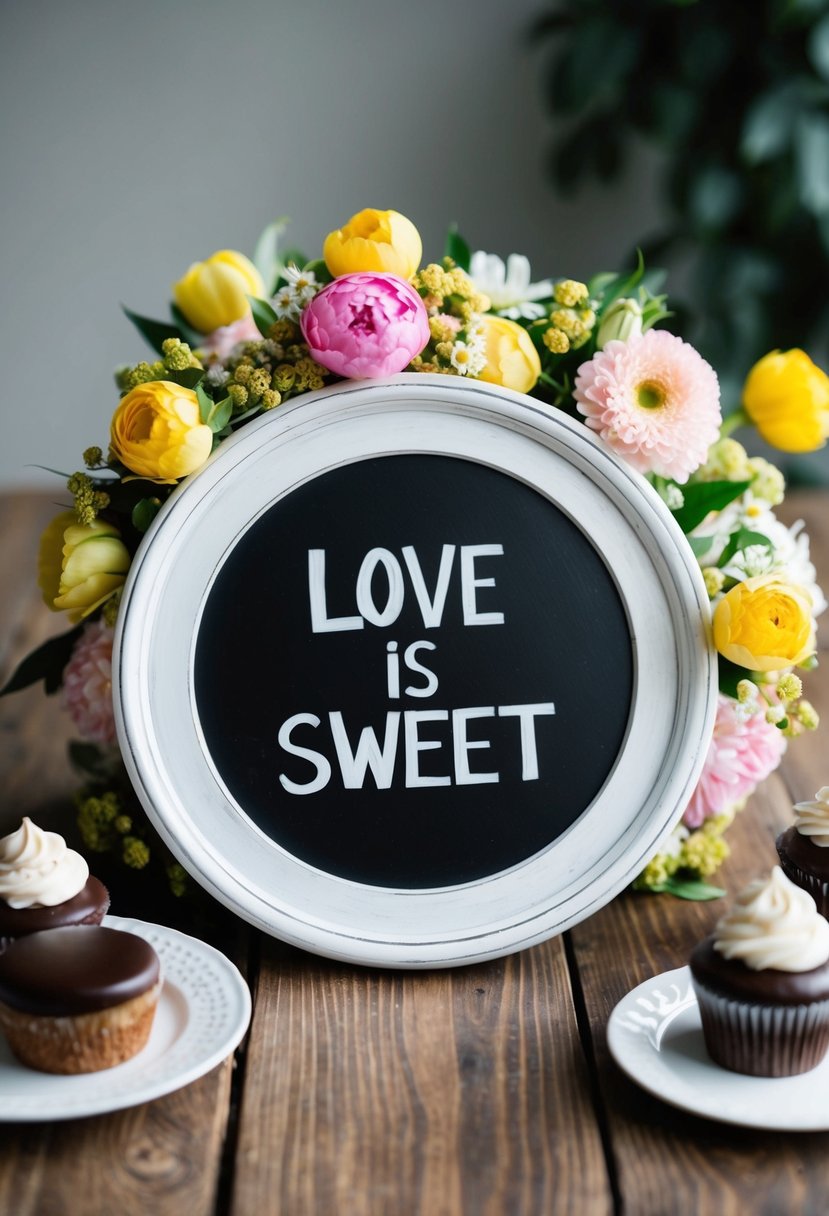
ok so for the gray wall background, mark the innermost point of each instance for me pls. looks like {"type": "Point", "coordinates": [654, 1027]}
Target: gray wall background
{"type": "Point", "coordinates": [137, 138]}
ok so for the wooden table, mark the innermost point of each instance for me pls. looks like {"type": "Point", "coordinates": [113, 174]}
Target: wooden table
{"type": "Point", "coordinates": [486, 1091]}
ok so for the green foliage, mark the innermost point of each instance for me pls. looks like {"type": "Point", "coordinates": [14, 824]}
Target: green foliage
{"type": "Point", "coordinates": [704, 496]}
{"type": "Point", "coordinates": [736, 97]}
{"type": "Point", "coordinates": [46, 664]}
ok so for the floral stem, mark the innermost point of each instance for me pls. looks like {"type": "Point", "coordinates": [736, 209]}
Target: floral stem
{"type": "Point", "coordinates": [734, 420]}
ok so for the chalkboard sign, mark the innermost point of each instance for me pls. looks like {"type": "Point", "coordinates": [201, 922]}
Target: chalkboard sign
{"type": "Point", "coordinates": [414, 672]}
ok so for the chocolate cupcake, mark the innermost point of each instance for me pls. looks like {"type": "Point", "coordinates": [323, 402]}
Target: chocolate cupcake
{"type": "Point", "coordinates": [762, 982]}
{"type": "Point", "coordinates": [78, 999]}
{"type": "Point", "coordinates": [45, 885]}
{"type": "Point", "coordinates": [804, 849]}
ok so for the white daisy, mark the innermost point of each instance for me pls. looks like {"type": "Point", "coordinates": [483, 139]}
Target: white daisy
{"type": "Point", "coordinates": [509, 287]}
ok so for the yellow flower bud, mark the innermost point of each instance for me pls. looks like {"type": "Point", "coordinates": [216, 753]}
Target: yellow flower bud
{"type": "Point", "coordinates": [214, 293]}
{"type": "Point", "coordinates": [157, 432]}
{"type": "Point", "coordinates": [374, 240]}
{"type": "Point", "coordinates": [765, 624]}
{"type": "Point", "coordinates": [80, 565]}
{"type": "Point", "coordinates": [511, 358]}
{"type": "Point", "coordinates": [787, 398]}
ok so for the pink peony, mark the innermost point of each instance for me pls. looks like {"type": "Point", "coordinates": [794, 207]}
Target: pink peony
{"type": "Point", "coordinates": [365, 325]}
{"type": "Point", "coordinates": [741, 754]}
{"type": "Point", "coordinates": [220, 343]}
{"type": "Point", "coordinates": [654, 400]}
{"type": "Point", "coordinates": [87, 684]}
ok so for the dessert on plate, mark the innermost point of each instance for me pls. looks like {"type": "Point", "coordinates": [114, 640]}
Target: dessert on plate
{"type": "Point", "coordinates": [79, 998]}
{"type": "Point", "coordinates": [45, 885]}
{"type": "Point", "coordinates": [803, 849]}
{"type": "Point", "coordinates": [762, 981]}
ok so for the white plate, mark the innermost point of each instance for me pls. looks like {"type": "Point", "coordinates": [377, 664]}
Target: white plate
{"type": "Point", "coordinates": [203, 1012]}
{"type": "Point", "coordinates": [655, 1036]}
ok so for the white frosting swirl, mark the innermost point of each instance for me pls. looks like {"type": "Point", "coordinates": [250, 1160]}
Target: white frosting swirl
{"type": "Point", "coordinates": [774, 925]}
{"type": "Point", "coordinates": [37, 870]}
{"type": "Point", "coordinates": [812, 818]}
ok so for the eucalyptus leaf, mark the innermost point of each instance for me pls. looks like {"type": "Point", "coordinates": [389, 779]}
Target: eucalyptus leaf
{"type": "Point", "coordinates": [47, 663]}
{"type": "Point", "coordinates": [818, 47]}
{"type": "Point", "coordinates": [812, 162]}
{"type": "Point", "coordinates": [153, 332]}
{"type": "Point", "coordinates": [706, 496]}
{"type": "Point", "coordinates": [700, 545]}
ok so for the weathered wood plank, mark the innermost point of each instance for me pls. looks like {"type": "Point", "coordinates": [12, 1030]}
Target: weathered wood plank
{"type": "Point", "coordinates": [162, 1157]}
{"type": "Point", "coordinates": [432, 1094]}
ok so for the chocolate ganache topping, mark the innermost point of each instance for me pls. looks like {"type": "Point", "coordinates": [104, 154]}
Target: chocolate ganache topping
{"type": "Point", "coordinates": [76, 969]}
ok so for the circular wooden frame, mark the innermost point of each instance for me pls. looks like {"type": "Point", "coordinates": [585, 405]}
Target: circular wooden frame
{"type": "Point", "coordinates": [675, 676]}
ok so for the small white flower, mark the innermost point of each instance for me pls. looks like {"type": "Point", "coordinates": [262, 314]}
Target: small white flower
{"type": "Point", "coordinates": [508, 287]}
{"type": "Point", "coordinates": [285, 304]}
{"type": "Point", "coordinates": [467, 358]}
{"type": "Point", "coordinates": [216, 375]}
{"type": "Point", "coordinates": [303, 282]}
{"type": "Point", "coordinates": [673, 497]}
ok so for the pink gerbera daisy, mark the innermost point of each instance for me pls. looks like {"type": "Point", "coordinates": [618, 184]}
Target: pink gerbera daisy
{"type": "Point", "coordinates": [742, 752]}
{"type": "Point", "coordinates": [654, 400]}
{"type": "Point", "coordinates": [87, 684]}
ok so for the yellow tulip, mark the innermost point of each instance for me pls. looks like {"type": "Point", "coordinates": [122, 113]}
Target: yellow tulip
{"type": "Point", "coordinates": [511, 358]}
{"type": "Point", "coordinates": [80, 565]}
{"type": "Point", "coordinates": [372, 240]}
{"type": "Point", "coordinates": [157, 432]}
{"type": "Point", "coordinates": [214, 293]}
{"type": "Point", "coordinates": [765, 624]}
{"type": "Point", "coordinates": [787, 398]}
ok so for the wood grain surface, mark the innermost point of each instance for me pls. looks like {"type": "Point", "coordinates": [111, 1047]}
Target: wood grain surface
{"type": "Point", "coordinates": [484, 1091]}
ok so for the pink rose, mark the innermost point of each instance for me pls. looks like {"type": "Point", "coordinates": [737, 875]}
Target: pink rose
{"type": "Point", "coordinates": [220, 343]}
{"type": "Point", "coordinates": [365, 325]}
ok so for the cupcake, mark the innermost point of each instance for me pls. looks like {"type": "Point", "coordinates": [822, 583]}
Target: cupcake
{"type": "Point", "coordinates": [804, 849]}
{"type": "Point", "coordinates": [44, 884]}
{"type": "Point", "coordinates": [78, 999]}
{"type": "Point", "coordinates": [762, 982]}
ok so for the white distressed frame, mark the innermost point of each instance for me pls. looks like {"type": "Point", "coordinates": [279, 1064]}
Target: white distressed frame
{"type": "Point", "coordinates": [675, 678]}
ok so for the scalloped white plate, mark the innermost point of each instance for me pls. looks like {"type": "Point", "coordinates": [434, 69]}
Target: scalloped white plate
{"type": "Point", "coordinates": [203, 1012]}
{"type": "Point", "coordinates": [655, 1036]}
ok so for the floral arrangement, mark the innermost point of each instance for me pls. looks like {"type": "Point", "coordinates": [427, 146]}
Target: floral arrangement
{"type": "Point", "coordinates": [246, 335]}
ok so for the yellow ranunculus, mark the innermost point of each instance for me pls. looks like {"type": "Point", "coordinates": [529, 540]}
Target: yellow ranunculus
{"type": "Point", "coordinates": [374, 240]}
{"type": "Point", "coordinates": [80, 565]}
{"type": "Point", "coordinates": [787, 398]}
{"type": "Point", "coordinates": [765, 624]}
{"type": "Point", "coordinates": [214, 293]}
{"type": "Point", "coordinates": [511, 358]}
{"type": "Point", "coordinates": [157, 432]}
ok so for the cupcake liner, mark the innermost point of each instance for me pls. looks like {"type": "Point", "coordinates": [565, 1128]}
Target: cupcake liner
{"type": "Point", "coordinates": [763, 1040]}
{"type": "Point", "coordinates": [818, 889]}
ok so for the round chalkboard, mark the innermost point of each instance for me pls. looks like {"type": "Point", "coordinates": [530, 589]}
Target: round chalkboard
{"type": "Point", "coordinates": [438, 735]}
{"type": "Point", "coordinates": [414, 672]}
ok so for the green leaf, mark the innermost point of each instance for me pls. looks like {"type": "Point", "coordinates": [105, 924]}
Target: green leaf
{"type": "Point", "coordinates": [144, 512]}
{"type": "Point", "coordinates": [153, 332]}
{"type": "Point", "coordinates": [457, 249]}
{"type": "Point", "coordinates": [730, 675]}
{"type": "Point", "coordinates": [206, 403]}
{"type": "Point", "coordinates": [741, 539]}
{"type": "Point", "coordinates": [292, 257]}
{"type": "Point", "coordinates": [691, 888]}
{"type": "Point", "coordinates": [818, 47]}
{"type": "Point", "coordinates": [46, 663]}
{"type": "Point", "coordinates": [219, 416]}
{"type": "Point", "coordinates": [263, 315]}
{"type": "Point", "coordinates": [90, 759]}
{"type": "Point", "coordinates": [768, 127]}
{"type": "Point", "coordinates": [706, 496]}
{"type": "Point", "coordinates": [188, 377]}
{"type": "Point", "coordinates": [320, 271]}
{"type": "Point", "coordinates": [186, 331]}
{"type": "Point", "coordinates": [700, 545]}
{"type": "Point", "coordinates": [265, 255]}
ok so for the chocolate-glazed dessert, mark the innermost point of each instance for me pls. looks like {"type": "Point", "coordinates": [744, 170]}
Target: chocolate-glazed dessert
{"type": "Point", "coordinates": [45, 885]}
{"type": "Point", "coordinates": [762, 982]}
{"type": "Point", "coordinates": [78, 999]}
{"type": "Point", "coordinates": [804, 849]}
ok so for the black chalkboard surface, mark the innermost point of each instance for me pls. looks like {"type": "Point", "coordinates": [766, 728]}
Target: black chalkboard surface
{"type": "Point", "coordinates": [414, 671]}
